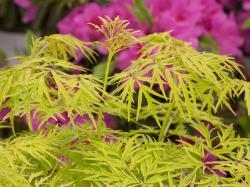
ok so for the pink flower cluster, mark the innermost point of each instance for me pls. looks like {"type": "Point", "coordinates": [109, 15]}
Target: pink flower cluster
{"type": "Point", "coordinates": [241, 15]}
{"type": "Point", "coordinates": [60, 120]}
{"type": "Point", "coordinates": [64, 120]}
{"type": "Point", "coordinates": [31, 10]}
{"type": "Point", "coordinates": [186, 19]}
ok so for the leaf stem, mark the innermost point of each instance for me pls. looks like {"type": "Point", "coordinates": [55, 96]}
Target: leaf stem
{"type": "Point", "coordinates": [107, 71]}
{"type": "Point", "coordinates": [166, 122]}
{"type": "Point", "coordinates": [105, 83]}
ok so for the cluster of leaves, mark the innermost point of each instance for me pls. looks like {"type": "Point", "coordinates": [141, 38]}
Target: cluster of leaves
{"type": "Point", "coordinates": [195, 81]}
{"type": "Point", "coordinates": [38, 83]}
{"type": "Point", "coordinates": [177, 86]}
{"type": "Point", "coordinates": [142, 161]}
{"type": "Point", "coordinates": [192, 76]}
{"type": "Point", "coordinates": [139, 160]}
{"type": "Point", "coordinates": [25, 153]}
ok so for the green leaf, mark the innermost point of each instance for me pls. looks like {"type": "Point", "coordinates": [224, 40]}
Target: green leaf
{"type": "Point", "coordinates": [30, 37]}
{"type": "Point", "coordinates": [99, 69]}
{"type": "Point", "coordinates": [3, 58]}
{"type": "Point", "coordinates": [207, 43]}
{"type": "Point", "coordinates": [143, 13]}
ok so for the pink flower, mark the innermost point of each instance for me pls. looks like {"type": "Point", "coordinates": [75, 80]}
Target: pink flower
{"type": "Point", "coordinates": [36, 122]}
{"type": "Point", "coordinates": [125, 57]}
{"type": "Point", "coordinates": [187, 20]}
{"type": "Point", "coordinates": [221, 27]}
{"type": "Point", "coordinates": [230, 41]}
{"type": "Point", "coordinates": [107, 118]}
{"type": "Point", "coordinates": [31, 10]}
{"type": "Point", "coordinates": [124, 9]}
{"type": "Point", "coordinates": [81, 119]}
{"type": "Point", "coordinates": [230, 4]}
{"type": "Point", "coordinates": [182, 18]}
{"type": "Point", "coordinates": [23, 3]}
{"type": "Point", "coordinates": [110, 121]}
{"type": "Point", "coordinates": [64, 120]}
{"type": "Point", "coordinates": [77, 22]}
{"type": "Point", "coordinates": [61, 119]}
{"type": "Point", "coordinates": [157, 7]}
{"type": "Point", "coordinates": [241, 18]}
{"type": "Point", "coordinates": [3, 113]}
{"type": "Point", "coordinates": [246, 4]}
{"type": "Point", "coordinates": [209, 160]}
{"type": "Point", "coordinates": [30, 14]}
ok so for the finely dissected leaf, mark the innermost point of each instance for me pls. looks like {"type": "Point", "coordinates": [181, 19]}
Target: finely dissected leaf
{"type": "Point", "coordinates": [42, 82]}
{"type": "Point", "coordinates": [140, 160]}
{"type": "Point", "coordinates": [247, 96]}
{"type": "Point", "coordinates": [18, 156]}
{"type": "Point", "coordinates": [192, 77]}
{"type": "Point", "coordinates": [61, 46]}
{"type": "Point", "coordinates": [117, 34]}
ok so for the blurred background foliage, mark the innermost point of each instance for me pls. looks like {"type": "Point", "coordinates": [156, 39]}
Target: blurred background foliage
{"type": "Point", "coordinates": [50, 12]}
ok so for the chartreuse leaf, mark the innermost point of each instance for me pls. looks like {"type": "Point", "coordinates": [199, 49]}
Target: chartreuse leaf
{"type": "Point", "coordinates": [23, 153]}
{"type": "Point", "coordinates": [140, 160]}
{"type": "Point", "coordinates": [42, 82]}
{"type": "Point", "coordinates": [247, 96]}
{"type": "Point", "coordinates": [191, 77]}
{"type": "Point", "coordinates": [117, 34]}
